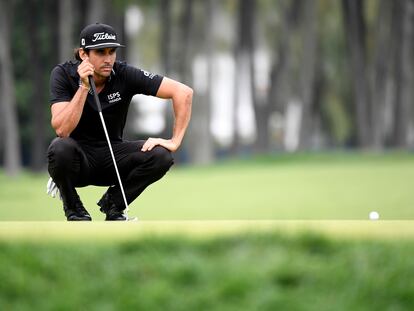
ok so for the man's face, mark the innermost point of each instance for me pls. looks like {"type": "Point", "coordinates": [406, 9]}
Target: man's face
{"type": "Point", "coordinates": [103, 60]}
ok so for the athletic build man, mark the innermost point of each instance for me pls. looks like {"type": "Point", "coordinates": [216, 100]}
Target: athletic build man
{"type": "Point", "coordinates": [80, 156]}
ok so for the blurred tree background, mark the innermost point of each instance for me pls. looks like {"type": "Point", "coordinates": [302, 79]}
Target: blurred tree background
{"type": "Point", "coordinates": [269, 76]}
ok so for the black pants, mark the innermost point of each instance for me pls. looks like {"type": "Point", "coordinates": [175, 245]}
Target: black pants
{"type": "Point", "coordinates": [73, 164]}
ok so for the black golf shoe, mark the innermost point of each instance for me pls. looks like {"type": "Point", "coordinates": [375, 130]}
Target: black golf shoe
{"type": "Point", "coordinates": [112, 211]}
{"type": "Point", "coordinates": [77, 213]}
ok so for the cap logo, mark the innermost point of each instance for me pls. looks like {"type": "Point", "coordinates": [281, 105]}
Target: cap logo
{"type": "Point", "coordinates": [83, 41]}
{"type": "Point", "coordinates": [103, 36]}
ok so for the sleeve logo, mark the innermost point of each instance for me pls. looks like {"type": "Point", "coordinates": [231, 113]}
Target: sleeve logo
{"type": "Point", "coordinates": [148, 74]}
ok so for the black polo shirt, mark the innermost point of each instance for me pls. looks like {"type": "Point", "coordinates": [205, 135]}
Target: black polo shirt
{"type": "Point", "coordinates": [124, 82]}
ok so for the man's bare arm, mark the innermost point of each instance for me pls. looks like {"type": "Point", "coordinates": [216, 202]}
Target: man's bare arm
{"type": "Point", "coordinates": [66, 115]}
{"type": "Point", "coordinates": [182, 97]}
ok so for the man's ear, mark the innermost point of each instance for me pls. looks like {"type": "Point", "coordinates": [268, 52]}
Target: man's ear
{"type": "Point", "coordinates": [82, 54]}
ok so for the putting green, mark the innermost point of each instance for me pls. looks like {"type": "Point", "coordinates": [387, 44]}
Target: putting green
{"type": "Point", "coordinates": [112, 232]}
{"type": "Point", "coordinates": [315, 187]}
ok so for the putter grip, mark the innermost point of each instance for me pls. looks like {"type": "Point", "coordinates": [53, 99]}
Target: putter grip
{"type": "Point", "coordinates": [95, 93]}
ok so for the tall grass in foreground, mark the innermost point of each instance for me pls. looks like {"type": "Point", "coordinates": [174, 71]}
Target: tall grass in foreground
{"type": "Point", "coordinates": [246, 272]}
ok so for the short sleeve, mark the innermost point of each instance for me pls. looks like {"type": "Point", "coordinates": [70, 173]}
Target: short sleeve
{"type": "Point", "coordinates": [60, 87]}
{"type": "Point", "coordinates": [142, 82]}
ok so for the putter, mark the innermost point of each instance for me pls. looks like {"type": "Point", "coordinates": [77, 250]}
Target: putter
{"type": "Point", "coordinates": [98, 104]}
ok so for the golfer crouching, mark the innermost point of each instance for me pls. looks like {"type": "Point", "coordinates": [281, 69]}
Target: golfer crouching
{"type": "Point", "coordinates": [80, 155]}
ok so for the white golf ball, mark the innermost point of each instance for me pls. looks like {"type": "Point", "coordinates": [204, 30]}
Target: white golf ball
{"type": "Point", "coordinates": [374, 215]}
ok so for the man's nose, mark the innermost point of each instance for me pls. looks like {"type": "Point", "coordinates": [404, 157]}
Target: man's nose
{"type": "Point", "coordinates": [107, 58]}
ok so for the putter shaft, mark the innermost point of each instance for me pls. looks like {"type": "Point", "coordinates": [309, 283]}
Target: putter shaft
{"type": "Point", "coordinates": [98, 104]}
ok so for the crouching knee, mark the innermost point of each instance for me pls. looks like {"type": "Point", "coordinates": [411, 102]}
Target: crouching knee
{"type": "Point", "coordinates": [61, 150]}
{"type": "Point", "coordinates": [163, 159]}
{"type": "Point", "coordinates": [63, 157]}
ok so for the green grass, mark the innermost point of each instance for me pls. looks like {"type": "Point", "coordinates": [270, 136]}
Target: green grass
{"type": "Point", "coordinates": [256, 271]}
{"type": "Point", "coordinates": [306, 186]}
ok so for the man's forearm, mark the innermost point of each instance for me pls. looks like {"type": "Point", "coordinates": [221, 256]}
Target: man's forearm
{"type": "Point", "coordinates": [182, 112]}
{"type": "Point", "coordinates": [182, 98]}
{"type": "Point", "coordinates": [66, 118]}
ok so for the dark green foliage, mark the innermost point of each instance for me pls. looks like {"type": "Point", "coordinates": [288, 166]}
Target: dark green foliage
{"type": "Point", "coordinates": [245, 272]}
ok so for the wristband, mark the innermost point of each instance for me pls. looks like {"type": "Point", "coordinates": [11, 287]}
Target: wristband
{"type": "Point", "coordinates": [86, 88]}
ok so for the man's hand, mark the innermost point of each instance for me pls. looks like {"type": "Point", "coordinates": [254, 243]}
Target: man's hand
{"type": "Point", "coordinates": [85, 69]}
{"type": "Point", "coordinates": [166, 143]}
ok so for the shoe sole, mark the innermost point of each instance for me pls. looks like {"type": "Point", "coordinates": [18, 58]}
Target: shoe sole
{"type": "Point", "coordinates": [126, 219]}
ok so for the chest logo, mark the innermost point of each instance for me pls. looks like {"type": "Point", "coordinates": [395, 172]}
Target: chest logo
{"type": "Point", "coordinates": [114, 97]}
